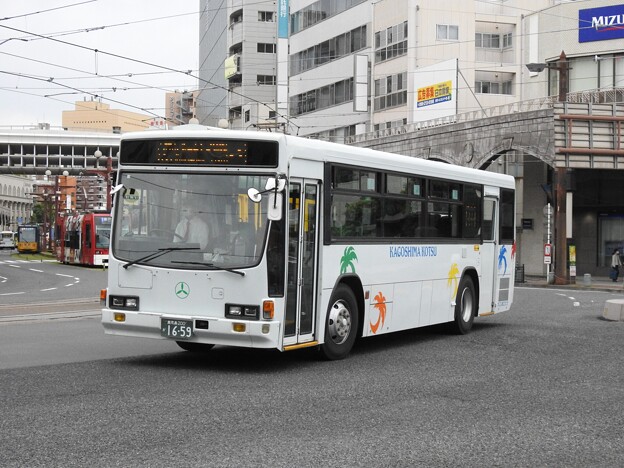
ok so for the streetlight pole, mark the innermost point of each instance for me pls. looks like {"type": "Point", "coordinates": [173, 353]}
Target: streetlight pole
{"type": "Point", "coordinates": [561, 241]}
{"type": "Point", "coordinates": [57, 199]}
{"type": "Point", "coordinates": [106, 173]}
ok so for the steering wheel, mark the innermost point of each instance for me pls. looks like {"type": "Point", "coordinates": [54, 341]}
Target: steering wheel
{"type": "Point", "coordinates": [162, 233]}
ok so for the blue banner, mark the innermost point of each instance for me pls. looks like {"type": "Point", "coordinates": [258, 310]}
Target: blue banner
{"type": "Point", "coordinates": [601, 24]}
{"type": "Point", "coordinates": [282, 19]}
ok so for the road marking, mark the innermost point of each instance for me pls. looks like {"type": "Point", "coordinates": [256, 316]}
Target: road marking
{"type": "Point", "coordinates": [47, 289]}
{"type": "Point", "coordinates": [68, 285]}
{"type": "Point", "coordinates": [15, 266]}
{"type": "Point", "coordinates": [73, 315]}
{"type": "Point", "coordinates": [34, 269]}
{"type": "Point", "coordinates": [11, 294]}
{"type": "Point", "coordinates": [66, 276]}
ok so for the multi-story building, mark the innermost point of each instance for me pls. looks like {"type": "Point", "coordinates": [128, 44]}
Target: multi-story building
{"type": "Point", "coordinates": [329, 77]}
{"type": "Point", "coordinates": [180, 107]}
{"type": "Point", "coordinates": [96, 115]}
{"type": "Point", "coordinates": [464, 51]}
{"type": "Point", "coordinates": [211, 102]}
{"type": "Point", "coordinates": [250, 67]}
{"type": "Point", "coordinates": [360, 66]}
{"type": "Point", "coordinates": [15, 201]}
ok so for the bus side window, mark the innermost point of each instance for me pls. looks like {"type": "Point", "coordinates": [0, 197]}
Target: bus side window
{"type": "Point", "coordinates": [88, 235]}
{"type": "Point", "coordinates": [488, 220]}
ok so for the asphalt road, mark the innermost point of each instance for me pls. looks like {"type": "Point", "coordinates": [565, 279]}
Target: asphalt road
{"type": "Point", "coordinates": [26, 282]}
{"type": "Point", "coordinates": [540, 385]}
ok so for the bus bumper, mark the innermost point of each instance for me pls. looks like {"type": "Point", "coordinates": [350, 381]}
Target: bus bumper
{"type": "Point", "coordinates": [220, 331]}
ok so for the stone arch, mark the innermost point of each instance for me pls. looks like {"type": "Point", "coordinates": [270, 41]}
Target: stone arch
{"type": "Point", "coordinates": [483, 162]}
{"type": "Point", "coordinates": [439, 159]}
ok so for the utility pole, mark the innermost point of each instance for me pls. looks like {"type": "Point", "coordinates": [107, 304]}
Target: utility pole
{"type": "Point", "coordinates": [562, 275]}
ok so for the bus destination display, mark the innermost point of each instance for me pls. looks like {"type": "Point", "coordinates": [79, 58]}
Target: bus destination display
{"type": "Point", "coordinates": [200, 152]}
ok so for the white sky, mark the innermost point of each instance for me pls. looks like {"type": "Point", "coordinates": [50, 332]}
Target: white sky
{"type": "Point", "coordinates": [161, 33]}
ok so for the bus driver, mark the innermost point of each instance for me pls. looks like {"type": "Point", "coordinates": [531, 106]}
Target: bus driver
{"type": "Point", "coordinates": [192, 228]}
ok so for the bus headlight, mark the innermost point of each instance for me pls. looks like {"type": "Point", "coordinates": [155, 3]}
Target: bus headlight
{"type": "Point", "coordinates": [239, 311]}
{"type": "Point", "coordinates": [124, 302]}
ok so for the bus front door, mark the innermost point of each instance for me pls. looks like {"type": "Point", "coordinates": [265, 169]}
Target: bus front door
{"type": "Point", "coordinates": [301, 292]}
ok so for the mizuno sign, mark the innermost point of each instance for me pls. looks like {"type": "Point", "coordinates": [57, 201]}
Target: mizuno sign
{"type": "Point", "coordinates": [601, 24]}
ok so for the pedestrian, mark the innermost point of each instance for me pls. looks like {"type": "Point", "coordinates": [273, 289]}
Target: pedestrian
{"type": "Point", "coordinates": [616, 263]}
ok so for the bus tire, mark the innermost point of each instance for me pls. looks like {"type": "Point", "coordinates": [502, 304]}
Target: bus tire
{"type": "Point", "coordinates": [341, 324]}
{"type": "Point", "coordinates": [194, 347]}
{"type": "Point", "coordinates": [465, 306]}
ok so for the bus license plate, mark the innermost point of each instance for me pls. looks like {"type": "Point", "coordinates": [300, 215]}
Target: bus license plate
{"type": "Point", "coordinates": [177, 329]}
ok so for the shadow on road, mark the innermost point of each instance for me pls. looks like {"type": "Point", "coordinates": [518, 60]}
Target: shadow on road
{"type": "Point", "coordinates": [229, 359]}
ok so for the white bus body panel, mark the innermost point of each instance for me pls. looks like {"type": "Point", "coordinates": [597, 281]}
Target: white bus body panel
{"type": "Point", "coordinates": [208, 293]}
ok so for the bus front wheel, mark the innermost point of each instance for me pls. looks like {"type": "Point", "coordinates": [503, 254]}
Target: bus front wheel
{"type": "Point", "coordinates": [341, 324]}
{"type": "Point", "coordinates": [465, 306]}
{"type": "Point", "coordinates": [194, 347]}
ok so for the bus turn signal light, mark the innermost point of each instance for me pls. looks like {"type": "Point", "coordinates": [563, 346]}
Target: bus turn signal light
{"type": "Point", "coordinates": [268, 310]}
{"type": "Point", "coordinates": [103, 297]}
{"type": "Point", "coordinates": [239, 327]}
{"type": "Point", "coordinates": [119, 317]}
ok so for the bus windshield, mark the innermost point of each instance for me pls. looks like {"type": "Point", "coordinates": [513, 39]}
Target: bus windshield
{"type": "Point", "coordinates": [198, 221]}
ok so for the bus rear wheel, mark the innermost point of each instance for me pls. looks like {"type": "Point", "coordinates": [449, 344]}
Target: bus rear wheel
{"type": "Point", "coordinates": [194, 347]}
{"type": "Point", "coordinates": [465, 306]}
{"type": "Point", "coordinates": [341, 324]}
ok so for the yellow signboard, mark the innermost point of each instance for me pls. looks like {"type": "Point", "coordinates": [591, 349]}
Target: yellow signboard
{"type": "Point", "coordinates": [231, 66]}
{"type": "Point", "coordinates": [433, 94]}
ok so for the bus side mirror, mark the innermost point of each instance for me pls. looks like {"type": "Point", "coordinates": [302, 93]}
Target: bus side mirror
{"type": "Point", "coordinates": [274, 186]}
{"type": "Point", "coordinates": [276, 200]}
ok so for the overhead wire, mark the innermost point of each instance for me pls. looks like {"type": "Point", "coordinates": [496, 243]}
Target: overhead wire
{"type": "Point", "coordinates": [171, 70]}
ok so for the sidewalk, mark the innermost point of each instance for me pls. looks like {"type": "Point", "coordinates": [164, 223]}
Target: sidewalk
{"type": "Point", "coordinates": [599, 283]}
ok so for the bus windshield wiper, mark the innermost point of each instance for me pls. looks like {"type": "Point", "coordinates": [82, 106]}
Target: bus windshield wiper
{"type": "Point", "coordinates": [214, 267]}
{"type": "Point", "coordinates": [158, 253]}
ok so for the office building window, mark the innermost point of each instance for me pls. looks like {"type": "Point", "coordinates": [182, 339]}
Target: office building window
{"type": "Point", "coordinates": [266, 48]}
{"type": "Point", "coordinates": [266, 79]}
{"type": "Point", "coordinates": [391, 91]}
{"type": "Point", "coordinates": [507, 40]}
{"type": "Point", "coordinates": [391, 42]}
{"type": "Point", "coordinates": [491, 87]}
{"type": "Point", "coordinates": [487, 40]}
{"type": "Point", "coordinates": [266, 16]}
{"type": "Point", "coordinates": [447, 32]}
{"type": "Point", "coordinates": [326, 51]}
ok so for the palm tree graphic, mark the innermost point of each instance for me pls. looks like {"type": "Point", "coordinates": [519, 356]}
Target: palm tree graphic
{"type": "Point", "coordinates": [346, 262]}
{"type": "Point", "coordinates": [502, 259]}
{"type": "Point", "coordinates": [452, 278]}
{"type": "Point", "coordinates": [380, 305]}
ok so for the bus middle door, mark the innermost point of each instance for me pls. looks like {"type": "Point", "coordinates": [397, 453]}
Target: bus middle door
{"type": "Point", "coordinates": [301, 292]}
{"type": "Point", "coordinates": [489, 248]}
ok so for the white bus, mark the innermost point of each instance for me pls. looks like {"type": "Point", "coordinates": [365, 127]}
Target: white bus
{"type": "Point", "coordinates": [7, 240]}
{"type": "Point", "coordinates": [307, 243]}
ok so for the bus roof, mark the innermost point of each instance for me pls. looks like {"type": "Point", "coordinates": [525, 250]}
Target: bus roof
{"type": "Point", "coordinates": [324, 151]}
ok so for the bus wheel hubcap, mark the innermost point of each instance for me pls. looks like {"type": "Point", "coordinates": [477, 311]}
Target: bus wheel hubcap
{"type": "Point", "coordinates": [466, 303]}
{"type": "Point", "coordinates": [339, 324]}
